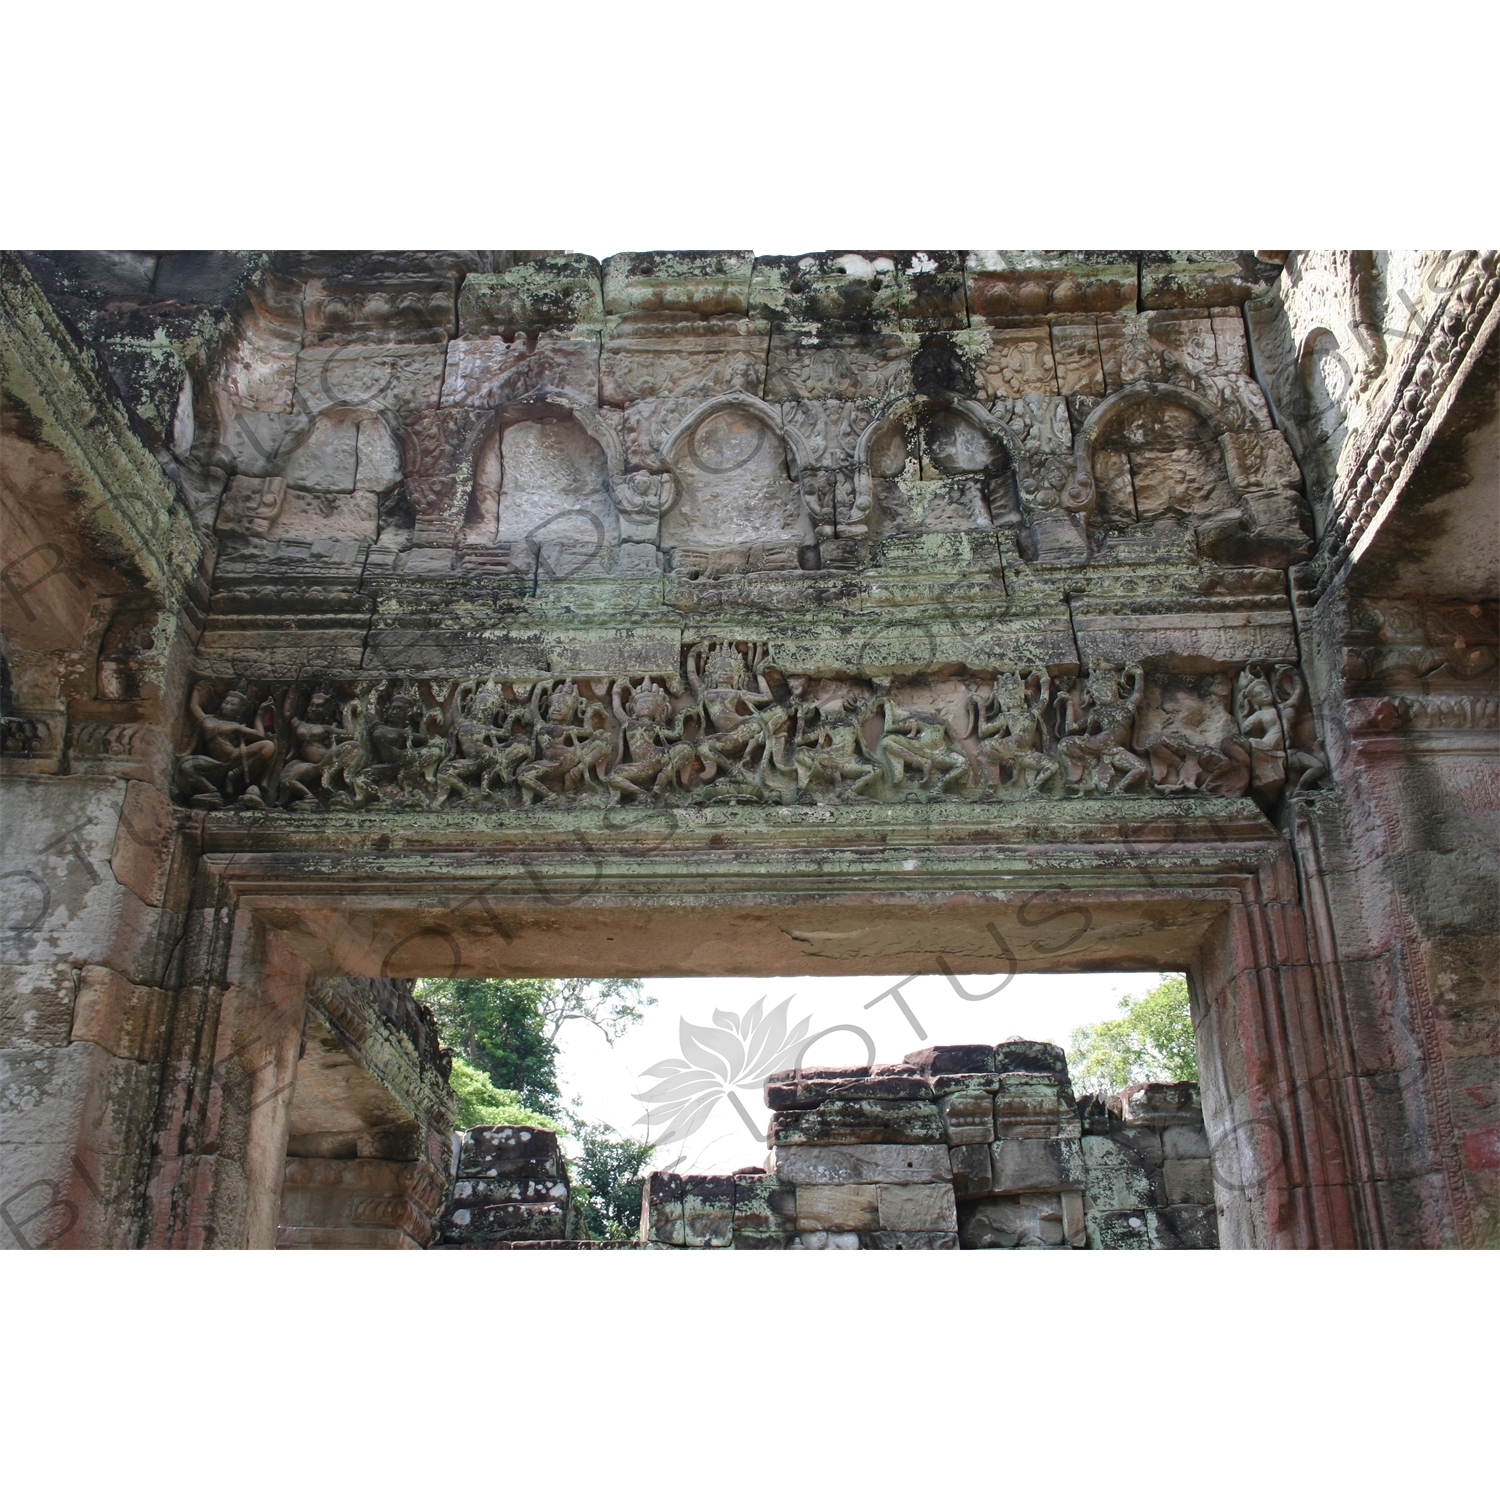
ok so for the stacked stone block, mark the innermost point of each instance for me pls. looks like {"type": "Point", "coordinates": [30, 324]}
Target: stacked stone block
{"type": "Point", "coordinates": [1148, 1173]}
{"type": "Point", "coordinates": [510, 1185]}
{"type": "Point", "coordinates": [957, 1147]}
{"type": "Point", "coordinates": [865, 1153]}
{"type": "Point", "coordinates": [744, 1210]}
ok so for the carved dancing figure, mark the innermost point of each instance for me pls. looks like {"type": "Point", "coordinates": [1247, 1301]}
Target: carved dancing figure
{"type": "Point", "coordinates": [1013, 737]}
{"type": "Point", "coordinates": [1306, 759]}
{"type": "Point", "coordinates": [730, 706]}
{"type": "Point", "coordinates": [1096, 746]}
{"type": "Point", "coordinates": [344, 771]}
{"type": "Point", "coordinates": [317, 738]}
{"type": "Point", "coordinates": [235, 756]}
{"type": "Point", "coordinates": [829, 749]}
{"type": "Point", "coordinates": [489, 752]}
{"type": "Point", "coordinates": [1260, 723]}
{"type": "Point", "coordinates": [659, 751]}
{"type": "Point", "coordinates": [913, 738]}
{"type": "Point", "coordinates": [424, 772]}
{"type": "Point", "coordinates": [574, 744]}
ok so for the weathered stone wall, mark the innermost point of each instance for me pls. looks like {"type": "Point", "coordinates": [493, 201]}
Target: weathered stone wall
{"type": "Point", "coordinates": [958, 1147]}
{"type": "Point", "coordinates": [503, 612]}
{"type": "Point", "coordinates": [368, 1122]}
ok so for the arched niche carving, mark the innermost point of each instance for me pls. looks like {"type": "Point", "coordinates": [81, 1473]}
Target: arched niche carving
{"type": "Point", "coordinates": [540, 488]}
{"type": "Point", "coordinates": [933, 463]}
{"type": "Point", "coordinates": [744, 496]}
{"type": "Point", "coordinates": [1327, 381]}
{"type": "Point", "coordinates": [1158, 453]}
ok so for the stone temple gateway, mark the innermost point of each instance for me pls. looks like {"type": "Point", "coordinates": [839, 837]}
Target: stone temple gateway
{"type": "Point", "coordinates": [368, 616]}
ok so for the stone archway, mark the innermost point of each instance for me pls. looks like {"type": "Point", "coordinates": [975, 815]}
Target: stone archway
{"type": "Point", "coordinates": [723, 892]}
{"type": "Point", "coordinates": [239, 767]}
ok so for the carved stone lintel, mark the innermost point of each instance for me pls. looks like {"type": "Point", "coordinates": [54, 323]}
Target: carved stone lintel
{"type": "Point", "coordinates": [732, 727]}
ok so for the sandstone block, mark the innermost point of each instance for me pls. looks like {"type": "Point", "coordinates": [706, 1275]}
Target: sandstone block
{"type": "Point", "coordinates": [1019, 362]}
{"type": "Point", "coordinates": [861, 1163]}
{"type": "Point", "coordinates": [127, 1020]}
{"type": "Point", "coordinates": [1187, 1227]}
{"type": "Point", "coordinates": [476, 1192]}
{"type": "Point", "coordinates": [1185, 1142]}
{"type": "Point", "coordinates": [968, 1119]}
{"type": "Point", "coordinates": [415, 308]}
{"type": "Point", "coordinates": [142, 854]}
{"type": "Point", "coordinates": [1161, 1104]}
{"type": "Point", "coordinates": [1032, 1221]}
{"type": "Point", "coordinates": [508, 1150]}
{"type": "Point", "coordinates": [845, 1207]}
{"type": "Point", "coordinates": [1031, 1057]}
{"type": "Point", "coordinates": [699, 365]}
{"type": "Point", "coordinates": [553, 291]}
{"type": "Point", "coordinates": [328, 457]}
{"type": "Point", "coordinates": [1116, 1175]}
{"type": "Point", "coordinates": [385, 377]}
{"type": "Point", "coordinates": [1022, 1166]}
{"type": "Point", "coordinates": [822, 1239]}
{"type": "Point", "coordinates": [1120, 1230]}
{"type": "Point", "coordinates": [708, 1205]}
{"type": "Point", "coordinates": [675, 285]}
{"type": "Point", "coordinates": [377, 466]}
{"type": "Point", "coordinates": [508, 1221]}
{"type": "Point", "coordinates": [1032, 1104]}
{"type": "Point", "coordinates": [792, 1090]}
{"type": "Point", "coordinates": [1190, 1181]}
{"type": "Point", "coordinates": [1075, 351]}
{"type": "Point", "coordinates": [763, 1206]}
{"type": "Point", "coordinates": [490, 372]}
{"type": "Point", "coordinates": [909, 1239]}
{"type": "Point", "coordinates": [886, 1081]}
{"type": "Point", "coordinates": [1015, 283]}
{"type": "Point", "coordinates": [36, 1005]}
{"type": "Point", "coordinates": [973, 1171]}
{"type": "Point", "coordinates": [753, 1241]}
{"type": "Point", "coordinates": [818, 365]}
{"type": "Point", "coordinates": [926, 1207]}
{"type": "Point", "coordinates": [944, 1084]}
{"type": "Point", "coordinates": [1075, 1228]}
{"type": "Point", "coordinates": [860, 1120]}
{"type": "Point", "coordinates": [959, 1059]}
{"type": "Point", "coordinates": [354, 1237]}
{"type": "Point", "coordinates": [661, 1209]}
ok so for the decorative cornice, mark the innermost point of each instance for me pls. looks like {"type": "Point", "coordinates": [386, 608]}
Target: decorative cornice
{"type": "Point", "coordinates": [1391, 447]}
{"type": "Point", "coordinates": [1424, 713]}
{"type": "Point", "coordinates": [128, 504]}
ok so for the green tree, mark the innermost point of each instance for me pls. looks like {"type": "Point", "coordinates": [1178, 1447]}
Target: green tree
{"type": "Point", "coordinates": [606, 1175]}
{"type": "Point", "coordinates": [508, 1028]}
{"type": "Point", "coordinates": [481, 1103]}
{"type": "Point", "coordinates": [1151, 1042]}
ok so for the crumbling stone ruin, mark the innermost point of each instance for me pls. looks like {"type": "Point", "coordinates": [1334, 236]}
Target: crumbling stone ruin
{"type": "Point", "coordinates": [972, 1148]}
{"type": "Point", "coordinates": [510, 1186]}
{"type": "Point", "coordinates": [370, 616]}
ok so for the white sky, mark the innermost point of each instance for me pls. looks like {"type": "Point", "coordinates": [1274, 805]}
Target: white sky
{"type": "Point", "coordinates": [1040, 1007]}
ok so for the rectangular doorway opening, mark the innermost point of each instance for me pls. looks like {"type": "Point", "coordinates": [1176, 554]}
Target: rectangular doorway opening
{"type": "Point", "coordinates": [1027, 1111]}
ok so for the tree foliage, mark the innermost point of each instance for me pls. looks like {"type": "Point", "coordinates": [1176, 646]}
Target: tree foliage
{"type": "Point", "coordinates": [607, 1174]}
{"type": "Point", "coordinates": [481, 1103]}
{"type": "Point", "coordinates": [1151, 1042]}
{"type": "Point", "coordinates": [508, 1028]}
{"type": "Point", "coordinates": [504, 1037]}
